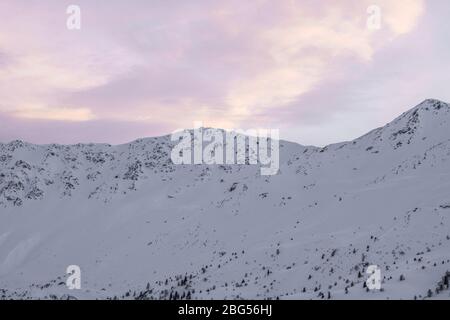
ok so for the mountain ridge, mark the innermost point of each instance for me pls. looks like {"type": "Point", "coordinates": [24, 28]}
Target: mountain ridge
{"type": "Point", "coordinates": [141, 227]}
{"type": "Point", "coordinates": [426, 102]}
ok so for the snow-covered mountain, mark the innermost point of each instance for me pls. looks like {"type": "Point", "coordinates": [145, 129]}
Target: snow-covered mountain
{"type": "Point", "coordinates": [141, 227]}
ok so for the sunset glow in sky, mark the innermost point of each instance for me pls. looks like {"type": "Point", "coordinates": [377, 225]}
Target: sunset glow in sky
{"type": "Point", "coordinates": [143, 68]}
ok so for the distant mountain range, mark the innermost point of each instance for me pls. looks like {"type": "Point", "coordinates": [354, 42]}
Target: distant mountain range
{"type": "Point", "coordinates": [141, 227]}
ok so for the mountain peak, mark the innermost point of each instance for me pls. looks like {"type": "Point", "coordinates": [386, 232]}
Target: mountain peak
{"type": "Point", "coordinates": [434, 102]}
{"type": "Point", "coordinates": [424, 106]}
{"type": "Point", "coordinates": [116, 210]}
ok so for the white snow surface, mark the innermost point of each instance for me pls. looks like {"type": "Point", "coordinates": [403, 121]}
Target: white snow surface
{"type": "Point", "coordinates": [141, 227]}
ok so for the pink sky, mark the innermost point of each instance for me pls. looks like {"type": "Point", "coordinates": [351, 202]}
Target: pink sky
{"type": "Point", "coordinates": [143, 68]}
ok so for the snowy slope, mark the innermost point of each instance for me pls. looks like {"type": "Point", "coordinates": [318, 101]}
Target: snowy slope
{"type": "Point", "coordinates": [141, 227]}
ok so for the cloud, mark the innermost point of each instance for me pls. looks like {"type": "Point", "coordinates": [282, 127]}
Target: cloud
{"type": "Point", "coordinates": [402, 16]}
{"type": "Point", "coordinates": [227, 64]}
{"type": "Point", "coordinates": [72, 132]}
{"type": "Point", "coordinates": [72, 114]}
{"type": "Point", "coordinates": [304, 46]}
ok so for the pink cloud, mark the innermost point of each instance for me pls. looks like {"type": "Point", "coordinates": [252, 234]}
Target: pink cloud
{"type": "Point", "coordinates": [235, 64]}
